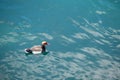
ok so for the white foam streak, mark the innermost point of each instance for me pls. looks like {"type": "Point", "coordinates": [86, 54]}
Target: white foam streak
{"type": "Point", "coordinates": [72, 55]}
{"type": "Point", "coordinates": [97, 41]}
{"type": "Point", "coordinates": [81, 36]}
{"type": "Point", "coordinates": [1, 22]}
{"type": "Point", "coordinates": [118, 46]}
{"type": "Point", "coordinates": [31, 37]}
{"type": "Point", "coordinates": [92, 51]}
{"type": "Point", "coordinates": [13, 34]}
{"type": "Point", "coordinates": [48, 36]}
{"type": "Point", "coordinates": [116, 36]}
{"type": "Point", "coordinates": [104, 63]}
{"type": "Point", "coordinates": [94, 33]}
{"type": "Point", "coordinates": [67, 39]}
{"type": "Point", "coordinates": [7, 39]}
{"type": "Point", "coordinates": [100, 12]}
{"type": "Point", "coordinates": [75, 22]}
{"type": "Point", "coordinates": [106, 41]}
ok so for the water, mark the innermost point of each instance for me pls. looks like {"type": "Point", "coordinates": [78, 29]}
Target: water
{"type": "Point", "coordinates": [84, 38]}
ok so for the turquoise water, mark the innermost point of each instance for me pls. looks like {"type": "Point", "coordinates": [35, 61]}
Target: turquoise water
{"type": "Point", "coordinates": [83, 37]}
